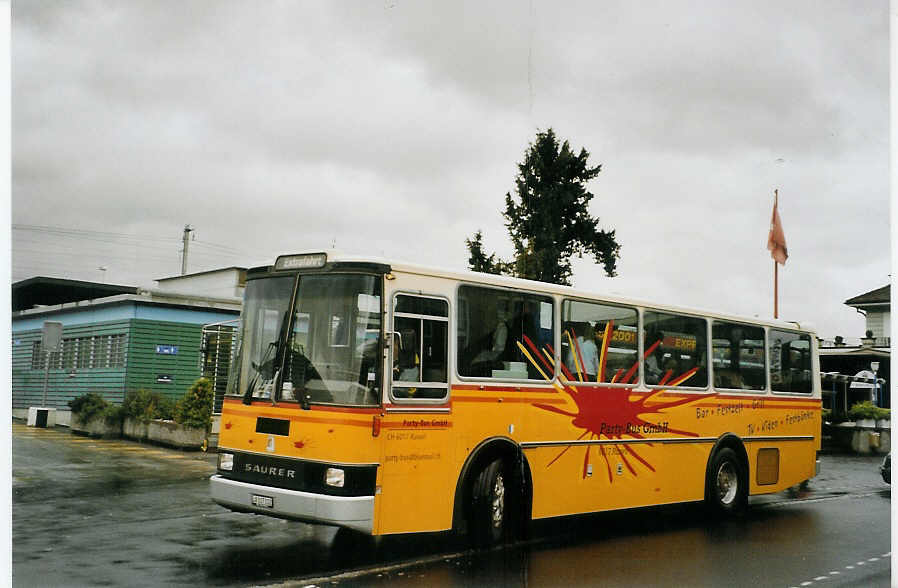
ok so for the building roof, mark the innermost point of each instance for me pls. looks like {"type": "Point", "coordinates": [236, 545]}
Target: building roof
{"type": "Point", "coordinates": [878, 296]}
{"type": "Point", "coordinates": [213, 271]}
{"type": "Point", "coordinates": [855, 352]}
{"type": "Point", "coordinates": [44, 291]}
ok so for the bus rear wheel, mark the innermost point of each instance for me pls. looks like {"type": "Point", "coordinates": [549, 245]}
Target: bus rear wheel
{"type": "Point", "coordinates": [491, 505]}
{"type": "Point", "coordinates": [726, 487]}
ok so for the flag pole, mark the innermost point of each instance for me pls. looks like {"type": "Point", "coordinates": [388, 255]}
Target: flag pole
{"type": "Point", "coordinates": [775, 269]}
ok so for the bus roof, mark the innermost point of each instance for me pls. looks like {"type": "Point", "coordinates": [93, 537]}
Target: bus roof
{"type": "Point", "coordinates": [338, 257]}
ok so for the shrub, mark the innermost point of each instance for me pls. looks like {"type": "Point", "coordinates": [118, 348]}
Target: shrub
{"type": "Point", "coordinates": [195, 409]}
{"type": "Point", "coordinates": [863, 410]}
{"type": "Point", "coordinates": [882, 413]}
{"type": "Point", "coordinates": [144, 406]}
{"type": "Point", "coordinates": [165, 409]}
{"type": "Point", "coordinates": [88, 406]}
{"type": "Point", "coordinates": [114, 415]}
{"type": "Point", "coordinates": [92, 405]}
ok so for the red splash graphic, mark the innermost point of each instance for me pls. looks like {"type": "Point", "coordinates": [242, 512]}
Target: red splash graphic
{"type": "Point", "coordinates": [609, 412]}
{"type": "Point", "coordinates": [301, 443]}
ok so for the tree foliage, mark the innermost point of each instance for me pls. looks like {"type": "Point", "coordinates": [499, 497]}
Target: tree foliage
{"type": "Point", "coordinates": [478, 260]}
{"type": "Point", "coordinates": [195, 408]}
{"type": "Point", "coordinates": [145, 405]}
{"type": "Point", "coordinates": [88, 406]}
{"type": "Point", "coordinates": [548, 217]}
{"type": "Point", "coordinates": [92, 405]}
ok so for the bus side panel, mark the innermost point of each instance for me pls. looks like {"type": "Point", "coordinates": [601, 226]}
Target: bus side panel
{"type": "Point", "coordinates": [618, 479]}
{"type": "Point", "coordinates": [417, 463]}
{"type": "Point", "coordinates": [784, 465]}
{"type": "Point", "coordinates": [571, 478]}
{"type": "Point", "coordinates": [789, 458]}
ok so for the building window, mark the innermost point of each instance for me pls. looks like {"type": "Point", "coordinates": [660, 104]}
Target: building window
{"type": "Point", "coordinates": [102, 351]}
{"type": "Point", "coordinates": [69, 354]}
{"type": "Point", "coordinates": [38, 360]}
{"type": "Point", "coordinates": [115, 351]}
{"type": "Point", "coordinates": [85, 353]}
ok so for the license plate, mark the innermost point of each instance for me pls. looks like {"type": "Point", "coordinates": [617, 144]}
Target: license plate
{"type": "Point", "coordinates": [262, 501]}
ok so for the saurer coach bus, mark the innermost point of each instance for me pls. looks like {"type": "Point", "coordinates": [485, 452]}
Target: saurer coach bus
{"type": "Point", "coordinates": [391, 398]}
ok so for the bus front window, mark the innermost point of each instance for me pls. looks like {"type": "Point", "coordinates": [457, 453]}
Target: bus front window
{"type": "Point", "coordinates": [333, 349]}
{"type": "Point", "coordinates": [329, 350]}
{"type": "Point", "coordinates": [266, 308]}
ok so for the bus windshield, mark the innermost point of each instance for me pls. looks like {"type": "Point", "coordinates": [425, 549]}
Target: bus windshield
{"type": "Point", "coordinates": [323, 350]}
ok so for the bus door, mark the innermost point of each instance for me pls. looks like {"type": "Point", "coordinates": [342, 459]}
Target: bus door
{"type": "Point", "coordinates": [416, 491]}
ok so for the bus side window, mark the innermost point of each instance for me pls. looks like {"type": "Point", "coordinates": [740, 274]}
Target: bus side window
{"type": "Point", "coordinates": [790, 362]}
{"type": "Point", "coordinates": [675, 348]}
{"type": "Point", "coordinates": [421, 351]}
{"type": "Point", "coordinates": [585, 325]}
{"type": "Point", "coordinates": [507, 333]}
{"type": "Point", "coordinates": [737, 355]}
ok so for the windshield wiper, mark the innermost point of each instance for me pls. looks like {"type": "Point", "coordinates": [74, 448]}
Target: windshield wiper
{"type": "Point", "coordinates": [257, 368]}
{"type": "Point", "coordinates": [304, 364]}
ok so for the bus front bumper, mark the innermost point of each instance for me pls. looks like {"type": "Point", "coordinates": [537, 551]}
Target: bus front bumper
{"type": "Point", "coordinates": [354, 512]}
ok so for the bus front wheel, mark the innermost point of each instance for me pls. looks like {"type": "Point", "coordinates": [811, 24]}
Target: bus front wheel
{"type": "Point", "coordinates": [726, 488]}
{"type": "Point", "coordinates": [491, 505]}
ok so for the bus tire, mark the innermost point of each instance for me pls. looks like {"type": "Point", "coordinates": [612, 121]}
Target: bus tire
{"type": "Point", "coordinates": [726, 486]}
{"type": "Point", "coordinates": [491, 509]}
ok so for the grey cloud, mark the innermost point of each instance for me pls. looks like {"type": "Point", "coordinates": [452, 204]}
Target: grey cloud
{"type": "Point", "coordinates": [394, 127]}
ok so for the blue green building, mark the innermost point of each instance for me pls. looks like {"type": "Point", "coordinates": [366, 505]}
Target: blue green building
{"type": "Point", "coordinates": [115, 338]}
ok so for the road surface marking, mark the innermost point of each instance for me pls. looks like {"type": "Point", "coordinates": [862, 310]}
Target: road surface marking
{"type": "Point", "coordinates": [848, 567]}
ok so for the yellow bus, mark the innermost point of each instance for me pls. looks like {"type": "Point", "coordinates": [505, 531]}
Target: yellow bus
{"type": "Point", "coordinates": [391, 398]}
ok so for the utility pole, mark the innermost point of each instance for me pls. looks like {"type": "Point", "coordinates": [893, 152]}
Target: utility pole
{"type": "Point", "coordinates": [187, 230]}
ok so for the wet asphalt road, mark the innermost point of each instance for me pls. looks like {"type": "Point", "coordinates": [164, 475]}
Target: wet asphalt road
{"type": "Point", "coordinates": [92, 513]}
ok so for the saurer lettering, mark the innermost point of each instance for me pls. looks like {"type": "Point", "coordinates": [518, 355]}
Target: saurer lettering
{"type": "Point", "coordinates": [270, 471]}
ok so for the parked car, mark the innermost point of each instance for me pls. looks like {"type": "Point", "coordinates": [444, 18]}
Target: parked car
{"type": "Point", "coordinates": [885, 468]}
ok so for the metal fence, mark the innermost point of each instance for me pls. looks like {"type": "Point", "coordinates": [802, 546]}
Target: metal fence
{"type": "Point", "coordinates": [838, 398]}
{"type": "Point", "coordinates": [216, 355]}
{"type": "Point", "coordinates": [855, 342]}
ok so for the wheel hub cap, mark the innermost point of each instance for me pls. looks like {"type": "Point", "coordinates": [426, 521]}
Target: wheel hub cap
{"type": "Point", "coordinates": [498, 504]}
{"type": "Point", "coordinates": [727, 483]}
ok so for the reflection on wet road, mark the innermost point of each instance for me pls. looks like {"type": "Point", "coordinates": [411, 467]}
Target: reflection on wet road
{"type": "Point", "coordinates": [91, 512]}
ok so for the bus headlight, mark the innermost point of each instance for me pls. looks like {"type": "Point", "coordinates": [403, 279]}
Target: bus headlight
{"type": "Point", "coordinates": [334, 477]}
{"type": "Point", "coordinates": [226, 462]}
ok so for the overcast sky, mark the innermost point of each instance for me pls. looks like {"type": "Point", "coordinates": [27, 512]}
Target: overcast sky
{"type": "Point", "coordinates": [394, 128]}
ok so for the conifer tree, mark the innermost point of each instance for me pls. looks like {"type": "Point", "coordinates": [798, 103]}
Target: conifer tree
{"type": "Point", "coordinates": [548, 217]}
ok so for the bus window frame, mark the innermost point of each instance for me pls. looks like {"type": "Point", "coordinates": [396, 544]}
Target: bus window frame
{"type": "Point", "coordinates": [767, 388]}
{"type": "Point", "coordinates": [327, 270]}
{"type": "Point", "coordinates": [562, 299]}
{"type": "Point", "coordinates": [697, 389]}
{"type": "Point", "coordinates": [812, 350]}
{"type": "Point", "coordinates": [556, 334]}
{"type": "Point", "coordinates": [449, 355]}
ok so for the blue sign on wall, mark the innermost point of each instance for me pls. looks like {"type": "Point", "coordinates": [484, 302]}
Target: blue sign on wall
{"type": "Point", "coordinates": [167, 349]}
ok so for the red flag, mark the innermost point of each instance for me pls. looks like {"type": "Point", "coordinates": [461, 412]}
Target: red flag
{"type": "Point", "coordinates": [776, 240]}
